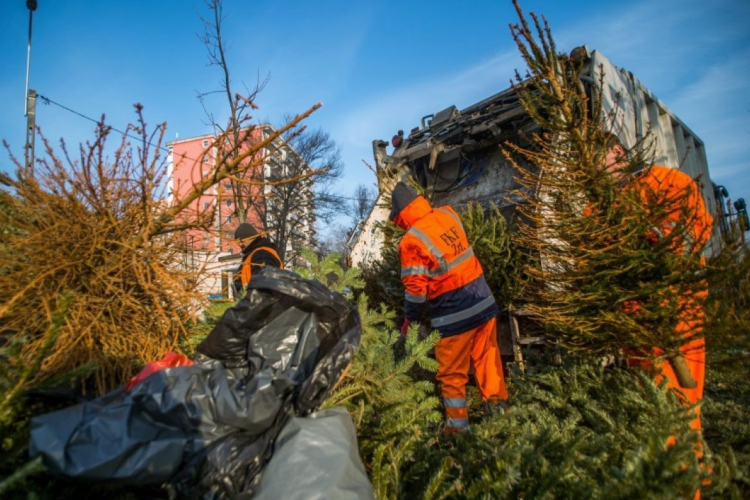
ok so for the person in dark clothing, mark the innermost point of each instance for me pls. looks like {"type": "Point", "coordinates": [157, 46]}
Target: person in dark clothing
{"type": "Point", "coordinates": [257, 252]}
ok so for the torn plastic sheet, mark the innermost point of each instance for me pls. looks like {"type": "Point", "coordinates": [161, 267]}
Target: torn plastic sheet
{"type": "Point", "coordinates": [208, 429]}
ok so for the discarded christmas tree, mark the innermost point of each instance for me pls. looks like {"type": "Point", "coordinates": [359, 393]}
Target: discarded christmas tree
{"type": "Point", "coordinates": [101, 228]}
{"type": "Point", "coordinates": [395, 412]}
{"type": "Point", "coordinates": [575, 431]}
{"type": "Point", "coordinates": [605, 277]}
{"type": "Point", "coordinates": [491, 239]}
{"type": "Point", "coordinates": [92, 281]}
{"type": "Point", "coordinates": [727, 398]}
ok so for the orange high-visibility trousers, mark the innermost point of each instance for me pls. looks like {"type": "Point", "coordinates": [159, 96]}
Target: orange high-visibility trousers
{"type": "Point", "coordinates": [694, 353]}
{"type": "Point", "coordinates": [454, 354]}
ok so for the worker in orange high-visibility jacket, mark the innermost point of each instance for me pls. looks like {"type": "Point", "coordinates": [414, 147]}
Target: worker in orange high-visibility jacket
{"type": "Point", "coordinates": [681, 194]}
{"type": "Point", "coordinates": [683, 204]}
{"type": "Point", "coordinates": [681, 198]}
{"type": "Point", "coordinates": [438, 267]}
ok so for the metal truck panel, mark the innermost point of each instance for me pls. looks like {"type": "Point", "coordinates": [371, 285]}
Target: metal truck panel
{"type": "Point", "coordinates": [642, 120]}
{"type": "Point", "coordinates": [461, 159]}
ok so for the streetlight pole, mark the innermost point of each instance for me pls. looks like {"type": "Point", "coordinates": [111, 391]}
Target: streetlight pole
{"type": "Point", "coordinates": [29, 110]}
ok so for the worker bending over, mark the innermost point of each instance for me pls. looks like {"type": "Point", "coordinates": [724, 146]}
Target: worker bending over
{"type": "Point", "coordinates": [438, 266]}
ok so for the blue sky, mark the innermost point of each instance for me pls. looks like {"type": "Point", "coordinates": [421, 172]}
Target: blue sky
{"type": "Point", "coordinates": [376, 66]}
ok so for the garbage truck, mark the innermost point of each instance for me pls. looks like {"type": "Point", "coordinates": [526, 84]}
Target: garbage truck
{"type": "Point", "coordinates": [455, 154]}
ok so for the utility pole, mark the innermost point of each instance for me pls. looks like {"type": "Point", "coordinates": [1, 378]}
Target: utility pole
{"type": "Point", "coordinates": [29, 110]}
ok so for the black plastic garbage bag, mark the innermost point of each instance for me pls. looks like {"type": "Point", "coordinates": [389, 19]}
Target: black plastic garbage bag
{"type": "Point", "coordinates": [208, 429]}
{"type": "Point", "coordinates": [316, 458]}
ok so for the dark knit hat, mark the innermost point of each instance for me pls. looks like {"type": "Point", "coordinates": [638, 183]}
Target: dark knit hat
{"type": "Point", "coordinates": [401, 197]}
{"type": "Point", "coordinates": [244, 230]}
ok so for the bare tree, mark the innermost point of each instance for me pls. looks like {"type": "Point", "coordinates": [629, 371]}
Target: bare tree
{"type": "Point", "coordinates": [336, 241]}
{"type": "Point", "coordinates": [364, 199]}
{"type": "Point", "coordinates": [299, 180]}
{"type": "Point", "coordinates": [292, 208]}
{"type": "Point", "coordinates": [243, 195]}
{"type": "Point", "coordinates": [318, 150]}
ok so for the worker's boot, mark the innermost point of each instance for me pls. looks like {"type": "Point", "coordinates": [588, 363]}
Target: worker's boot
{"type": "Point", "coordinates": [495, 406]}
{"type": "Point", "coordinates": [449, 430]}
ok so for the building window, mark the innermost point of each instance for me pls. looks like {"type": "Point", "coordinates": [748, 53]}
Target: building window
{"type": "Point", "coordinates": [205, 159]}
{"type": "Point", "coordinates": [205, 173]}
{"type": "Point", "coordinates": [229, 203]}
{"type": "Point", "coordinates": [206, 204]}
{"type": "Point", "coordinates": [228, 185]}
{"type": "Point", "coordinates": [205, 143]}
{"type": "Point", "coordinates": [229, 219]}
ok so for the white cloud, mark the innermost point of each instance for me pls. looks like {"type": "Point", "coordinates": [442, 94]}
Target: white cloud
{"type": "Point", "coordinates": [402, 108]}
{"type": "Point", "coordinates": [676, 48]}
{"type": "Point", "coordinates": [716, 107]}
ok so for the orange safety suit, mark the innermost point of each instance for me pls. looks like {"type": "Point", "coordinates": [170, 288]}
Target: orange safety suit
{"type": "Point", "coordinates": [438, 267]}
{"type": "Point", "coordinates": [684, 204]}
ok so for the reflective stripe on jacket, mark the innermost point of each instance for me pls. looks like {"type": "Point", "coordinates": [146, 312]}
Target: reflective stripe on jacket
{"type": "Point", "coordinates": [438, 266]}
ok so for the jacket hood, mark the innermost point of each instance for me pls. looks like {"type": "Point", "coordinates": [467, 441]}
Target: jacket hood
{"type": "Point", "coordinates": [414, 211]}
{"type": "Point", "coordinates": [401, 196]}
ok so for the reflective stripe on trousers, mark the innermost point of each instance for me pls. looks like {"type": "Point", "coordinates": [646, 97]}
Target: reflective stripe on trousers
{"type": "Point", "coordinates": [457, 423]}
{"type": "Point", "coordinates": [477, 347]}
{"type": "Point", "coordinates": [456, 412]}
{"type": "Point", "coordinates": [417, 299]}
{"type": "Point", "coordinates": [450, 319]}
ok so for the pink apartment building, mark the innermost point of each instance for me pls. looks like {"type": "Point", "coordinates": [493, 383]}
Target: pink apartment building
{"type": "Point", "coordinates": [192, 159]}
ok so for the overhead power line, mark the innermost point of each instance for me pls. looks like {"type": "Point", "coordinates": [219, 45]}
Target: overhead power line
{"type": "Point", "coordinates": [46, 100]}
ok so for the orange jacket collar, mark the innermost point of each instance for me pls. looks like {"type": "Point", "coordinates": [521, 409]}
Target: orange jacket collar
{"type": "Point", "coordinates": [414, 211]}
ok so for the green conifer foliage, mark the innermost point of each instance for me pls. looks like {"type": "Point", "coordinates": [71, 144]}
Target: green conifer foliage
{"type": "Point", "coordinates": [576, 431]}
{"type": "Point", "coordinates": [329, 272]}
{"type": "Point", "coordinates": [726, 404]}
{"type": "Point", "coordinates": [579, 431]}
{"type": "Point", "coordinates": [492, 242]}
{"type": "Point", "coordinates": [394, 411]}
{"type": "Point", "coordinates": [383, 277]}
